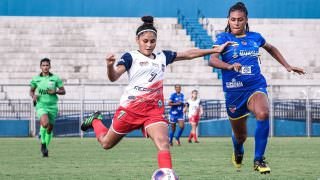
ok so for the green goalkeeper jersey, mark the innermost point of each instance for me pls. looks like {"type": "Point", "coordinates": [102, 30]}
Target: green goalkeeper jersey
{"type": "Point", "coordinates": [44, 83]}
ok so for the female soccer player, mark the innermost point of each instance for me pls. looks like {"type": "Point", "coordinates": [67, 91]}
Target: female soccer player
{"type": "Point", "coordinates": [194, 109]}
{"type": "Point", "coordinates": [142, 103]}
{"type": "Point", "coordinates": [43, 91]}
{"type": "Point", "coordinates": [176, 102]}
{"type": "Point", "coordinates": [243, 83]}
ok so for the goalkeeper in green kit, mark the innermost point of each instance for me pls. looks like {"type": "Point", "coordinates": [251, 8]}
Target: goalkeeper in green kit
{"type": "Point", "coordinates": [43, 91]}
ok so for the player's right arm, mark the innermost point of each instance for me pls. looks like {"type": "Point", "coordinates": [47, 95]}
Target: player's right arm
{"type": "Point", "coordinates": [114, 72]}
{"type": "Point", "coordinates": [217, 63]}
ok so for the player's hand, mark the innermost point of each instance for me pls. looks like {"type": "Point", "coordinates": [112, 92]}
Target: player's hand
{"type": "Point", "coordinates": [235, 67]}
{"type": "Point", "coordinates": [296, 70]}
{"type": "Point", "coordinates": [34, 100]}
{"type": "Point", "coordinates": [219, 49]}
{"type": "Point", "coordinates": [110, 59]}
{"type": "Point", "coordinates": [51, 91]}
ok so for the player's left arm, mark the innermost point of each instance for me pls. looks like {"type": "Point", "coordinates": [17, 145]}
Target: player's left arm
{"type": "Point", "coordinates": [201, 110]}
{"type": "Point", "coordinates": [195, 53]}
{"type": "Point", "coordinates": [275, 53]}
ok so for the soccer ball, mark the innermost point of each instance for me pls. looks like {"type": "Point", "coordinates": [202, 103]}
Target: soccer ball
{"type": "Point", "coordinates": [164, 174]}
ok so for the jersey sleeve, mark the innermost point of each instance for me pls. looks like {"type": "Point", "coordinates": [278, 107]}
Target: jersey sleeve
{"type": "Point", "coordinates": [33, 83]}
{"type": "Point", "coordinates": [125, 60]}
{"type": "Point", "coordinates": [170, 56]}
{"type": "Point", "coordinates": [172, 98]}
{"type": "Point", "coordinates": [59, 82]}
{"type": "Point", "coordinates": [220, 39]}
{"type": "Point", "coordinates": [260, 40]}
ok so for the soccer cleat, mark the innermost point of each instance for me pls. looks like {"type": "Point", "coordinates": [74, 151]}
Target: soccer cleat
{"type": "Point", "coordinates": [189, 141]}
{"type": "Point", "coordinates": [44, 150]}
{"type": "Point", "coordinates": [87, 123]}
{"type": "Point", "coordinates": [196, 142]}
{"type": "Point", "coordinates": [237, 160]}
{"type": "Point", "coordinates": [261, 166]}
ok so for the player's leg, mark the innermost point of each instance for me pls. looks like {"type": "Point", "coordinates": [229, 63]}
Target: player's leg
{"type": "Point", "coordinates": [173, 130]}
{"type": "Point", "coordinates": [107, 138]}
{"type": "Point", "coordinates": [191, 132]}
{"type": "Point", "coordinates": [258, 104]}
{"type": "Point", "coordinates": [181, 128]}
{"type": "Point", "coordinates": [195, 135]}
{"type": "Point", "coordinates": [158, 132]}
{"type": "Point", "coordinates": [44, 121]}
{"type": "Point", "coordinates": [239, 136]}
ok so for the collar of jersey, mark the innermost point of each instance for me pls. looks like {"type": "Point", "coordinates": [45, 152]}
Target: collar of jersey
{"type": "Point", "coordinates": [50, 74]}
{"type": "Point", "coordinates": [147, 56]}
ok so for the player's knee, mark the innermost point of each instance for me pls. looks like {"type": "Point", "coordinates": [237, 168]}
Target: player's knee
{"type": "Point", "coordinates": [162, 142]}
{"type": "Point", "coordinates": [261, 115]}
{"type": "Point", "coordinates": [241, 139]}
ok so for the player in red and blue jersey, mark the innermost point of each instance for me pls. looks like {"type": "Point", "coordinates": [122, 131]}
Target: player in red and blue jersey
{"type": "Point", "coordinates": [243, 83]}
{"type": "Point", "coordinates": [142, 103]}
{"type": "Point", "coordinates": [176, 102]}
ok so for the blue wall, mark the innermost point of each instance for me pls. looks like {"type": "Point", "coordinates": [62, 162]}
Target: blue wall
{"type": "Point", "coordinates": [161, 8]}
{"type": "Point", "coordinates": [14, 128]}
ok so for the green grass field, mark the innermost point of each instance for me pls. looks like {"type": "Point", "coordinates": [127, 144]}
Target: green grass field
{"type": "Point", "coordinates": [135, 158]}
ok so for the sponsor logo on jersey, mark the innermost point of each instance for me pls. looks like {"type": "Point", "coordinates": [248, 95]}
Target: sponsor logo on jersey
{"type": "Point", "coordinates": [131, 97]}
{"type": "Point", "coordinates": [144, 63]}
{"type": "Point", "coordinates": [160, 104]}
{"type": "Point", "coordinates": [163, 67]}
{"type": "Point", "coordinates": [234, 84]}
{"type": "Point", "coordinates": [249, 53]}
{"type": "Point", "coordinates": [139, 88]}
{"type": "Point", "coordinates": [155, 65]}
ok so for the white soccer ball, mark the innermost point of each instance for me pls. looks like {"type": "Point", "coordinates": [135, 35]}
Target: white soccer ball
{"type": "Point", "coordinates": [164, 174]}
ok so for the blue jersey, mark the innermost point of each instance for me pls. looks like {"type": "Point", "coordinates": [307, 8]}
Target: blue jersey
{"type": "Point", "coordinates": [177, 109]}
{"type": "Point", "coordinates": [245, 52]}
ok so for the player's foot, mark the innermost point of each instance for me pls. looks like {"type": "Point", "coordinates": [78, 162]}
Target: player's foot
{"type": "Point", "coordinates": [44, 150]}
{"type": "Point", "coordinates": [237, 160]}
{"type": "Point", "coordinates": [87, 123]}
{"type": "Point", "coordinates": [261, 166]}
{"type": "Point", "coordinates": [196, 142]}
{"type": "Point", "coordinates": [170, 143]}
{"type": "Point", "coordinates": [178, 142]}
{"type": "Point", "coordinates": [189, 141]}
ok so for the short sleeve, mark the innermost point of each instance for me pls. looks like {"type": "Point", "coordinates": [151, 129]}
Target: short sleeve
{"type": "Point", "coordinates": [33, 83]}
{"type": "Point", "coordinates": [172, 97]}
{"type": "Point", "coordinates": [260, 40]}
{"type": "Point", "coordinates": [125, 60]}
{"type": "Point", "coordinates": [220, 39]}
{"type": "Point", "coordinates": [170, 56]}
{"type": "Point", "coordinates": [59, 82]}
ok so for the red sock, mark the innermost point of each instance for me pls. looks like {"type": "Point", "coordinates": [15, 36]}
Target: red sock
{"type": "Point", "coordinates": [99, 128]}
{"type": "Point", "coordinates": [164, 159]}
{"type": "Point", "coordinates": [190, 136]}
{"type": "Point", "coordinates": [195, 137]}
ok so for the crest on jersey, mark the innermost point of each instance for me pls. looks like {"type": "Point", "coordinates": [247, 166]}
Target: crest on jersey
{"type": "Point", "coordinates": [244, 43]}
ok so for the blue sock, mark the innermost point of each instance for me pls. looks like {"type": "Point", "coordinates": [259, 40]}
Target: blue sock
{"type": "Point", "coordinates": [171, 135]}
{"type": "Point", "coordinates": [179, 133]}
{"type": "Point", "coordinates": [238, 148]}
{"type": "Point", "coordinates": [261, 139]}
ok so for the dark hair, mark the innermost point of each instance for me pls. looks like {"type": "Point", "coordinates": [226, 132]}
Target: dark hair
{"type": "Point", "coordinates": [45, 60]}
{"type": "Point", "coordinates": [239, 6]}
{"type": "Point", "coordinates": [177, 85]}
{"type": "Point", "coordinates": [194, 91]}
{"type": "Point", "coordinates": [146, 26]}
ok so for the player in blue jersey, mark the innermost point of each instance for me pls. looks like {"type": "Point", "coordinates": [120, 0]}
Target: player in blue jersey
{"type": "Point", "coordinates": [243, 83]}
{"type": "Point", "coordinates": [176, 102]}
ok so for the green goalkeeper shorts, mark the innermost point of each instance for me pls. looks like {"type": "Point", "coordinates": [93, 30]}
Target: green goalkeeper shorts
{"type": "Point", "coordinates": [51, 111]}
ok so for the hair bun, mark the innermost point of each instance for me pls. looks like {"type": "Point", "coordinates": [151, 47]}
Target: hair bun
{"type": "Point", "coordinates": [147, 20]}
{"type": "Point", "coordinates": [240, 4]}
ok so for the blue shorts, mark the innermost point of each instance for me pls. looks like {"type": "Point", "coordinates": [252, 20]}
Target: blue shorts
{"type": "Point", "coordinates": [174, 118]}
{"type": "Point", "coordinates": [237, 102]}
